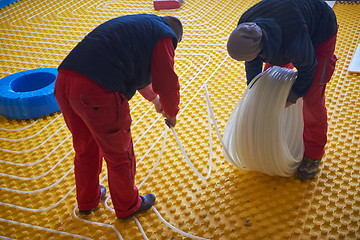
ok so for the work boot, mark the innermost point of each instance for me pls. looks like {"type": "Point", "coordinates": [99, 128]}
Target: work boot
{"type": "Point", "coordinates": [148, 201]}
{"type": "Point", "coordinates": [308, 168]}
{"type": "Point", "coordinates": [103, 193]}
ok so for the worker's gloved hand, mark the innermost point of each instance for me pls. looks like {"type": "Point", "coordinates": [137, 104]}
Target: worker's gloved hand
{"type": "Point", "coordinates": [288, 103]}
{"type": "Point", "coordinates": [157, 104]}
{"type": "Point", "coordinates": [170, 121]}
{"type": "Point", "coordinates": [291, 99]}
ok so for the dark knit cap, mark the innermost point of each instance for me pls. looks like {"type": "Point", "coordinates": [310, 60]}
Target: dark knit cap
{"type": "Point", "coordinates": [244, 43]}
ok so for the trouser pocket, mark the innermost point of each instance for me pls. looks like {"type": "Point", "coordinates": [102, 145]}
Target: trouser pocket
{"type": "Point", "coordinates": [328, 68]}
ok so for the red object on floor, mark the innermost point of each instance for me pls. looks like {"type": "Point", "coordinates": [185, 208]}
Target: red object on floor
{"type": "Point", "coordinates": [166, 4]}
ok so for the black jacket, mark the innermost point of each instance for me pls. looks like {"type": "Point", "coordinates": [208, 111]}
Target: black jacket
{"type": "Point", "coordinates": [291, 31]}
{"type": "Point", "coordinates": [117, 53]}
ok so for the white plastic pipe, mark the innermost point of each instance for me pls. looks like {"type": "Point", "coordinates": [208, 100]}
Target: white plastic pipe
{"type": "Point", "coordinates": [261, 134]}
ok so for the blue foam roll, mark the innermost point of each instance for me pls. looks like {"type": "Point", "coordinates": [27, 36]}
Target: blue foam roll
{"type": "Point", "coordinates": [28, 94]}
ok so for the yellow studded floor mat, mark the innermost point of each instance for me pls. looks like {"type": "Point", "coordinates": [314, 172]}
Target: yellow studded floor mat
{"type": "Point", "coordinates": [200, 198]}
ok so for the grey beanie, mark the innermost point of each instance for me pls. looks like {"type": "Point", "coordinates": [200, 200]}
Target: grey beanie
{"type": "Point", "coordinates": [244, 43]}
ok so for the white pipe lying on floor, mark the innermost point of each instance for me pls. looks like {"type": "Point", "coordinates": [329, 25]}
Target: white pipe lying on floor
{"type": "Point", "coordinates": [261, 134]}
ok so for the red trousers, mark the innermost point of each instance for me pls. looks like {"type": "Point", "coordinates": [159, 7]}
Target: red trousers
{"type": "Point", "coordinates": [99, 121]}
{"type": "Point", "coordinates": [314, 109]}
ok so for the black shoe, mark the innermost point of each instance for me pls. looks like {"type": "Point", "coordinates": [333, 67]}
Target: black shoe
{"type": "Point", "coordinates": [103, 193]}
{"type": "Point", "coordinates": [308, 168]}
{"type": "Point", "coordinates": [148, 201]}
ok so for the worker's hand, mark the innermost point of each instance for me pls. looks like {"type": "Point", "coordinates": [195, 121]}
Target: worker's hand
{"type": "Point", "coordinates": [288, 103]}
{"type": "Point", "coordinates": [170, 121]}
{"type": "Point", "coordinates": [157, 104]}
{"type": "Point", "coordinates": [291, 99]}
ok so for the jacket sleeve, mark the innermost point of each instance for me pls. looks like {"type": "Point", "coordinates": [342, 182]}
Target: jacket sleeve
{"type": "Point", "coordinates": [148, 93]}
{"type": "Point", "coordinates": [164, 79]}
{"type": "Point", "coordinates": [302, 54]}
{"type": "Point", "coordinates": [253, 68]}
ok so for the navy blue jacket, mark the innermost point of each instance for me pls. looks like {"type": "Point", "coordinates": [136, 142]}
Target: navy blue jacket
{"type": "Point", "coordinates": [117, 53]}
{"type": "Point", "coordinates": [291, 31]}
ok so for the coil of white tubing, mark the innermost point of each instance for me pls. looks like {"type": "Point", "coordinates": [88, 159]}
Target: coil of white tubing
{"type": "Point", "coordinates": [261, 134]}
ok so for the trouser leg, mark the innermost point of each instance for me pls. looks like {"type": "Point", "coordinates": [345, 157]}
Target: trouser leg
{"type": "Point", "coordinates": [88, 161]}
{"type": "Point", "coordinates": [107, 116]}
{"type": "Point", "coordinates": [314, 108]}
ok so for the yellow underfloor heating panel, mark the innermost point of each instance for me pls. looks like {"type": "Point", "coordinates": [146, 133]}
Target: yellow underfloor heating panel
{"type": "Point", "coordinates": [217, 201]}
